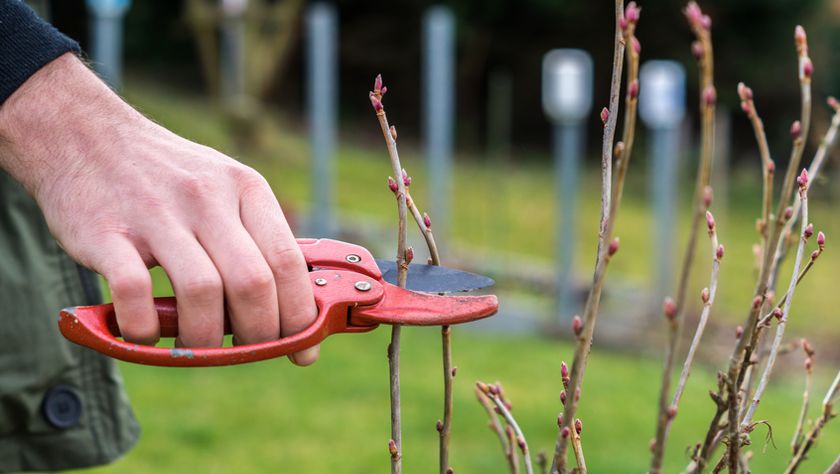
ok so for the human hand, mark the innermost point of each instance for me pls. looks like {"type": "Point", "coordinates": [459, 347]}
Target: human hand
{"type": "Point", "coordinates": [122, 194]}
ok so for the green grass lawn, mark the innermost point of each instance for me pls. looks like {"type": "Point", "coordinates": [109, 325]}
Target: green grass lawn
{"type": "Point", "coordinates": [333, 417]}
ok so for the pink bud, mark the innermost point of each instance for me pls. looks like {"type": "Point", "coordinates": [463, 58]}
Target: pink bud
{"type": "Point", "coordinates": [739, 331]}
{"type": "Point", "coordinates": [709, 95]}
{"type": "Point", "coordinates": [771, 166]}
{"type": "Point", "coordinates": [671, 412]}
{"type": "Point", "coordinates": [613, 247]}
{"type": "Point", "coordinates": [652, 445]}
{"type": "Point", "coordinates": [439, 426]}
{"type": "Point", "coordinates": [565, 432]}
{"type": "Point", "coordinates": [520, 441]}
{"type": "Point", "coordinates": [704, 295]}
{"type": "Point", "coordinates": [494, 389]}
{"type": "Point", "coordinates": [392, 448]}
{"type": "Point", "coordinates": [802, 180]}
{"type": "Point", "coordinates": [427, 221]}
{"type": "Point", "coordinates": [778, 313]}
{"type": "Point", "coordinates": [744, 92]}
{"type": "Point", "coordinates": [384, 90]}
{"type": "Point", "coordinates": [815, 254]}
{"type": "Point", "coordinates": [563, 397]}
{"type": "Point", "coordinates": [377, 84]}
{"type": "Point", "coordinates": [821, 240]}
{"type": "Point", "coordinates": [622, 23]}
{"type": "Point", "coordinates": [799, 35]}
{"type": "Point", "coordinates": [560, 421]}
{"type": "Point", "coordinates": [706, 22]}
{"type": "Point", "coordinates": [406, 178]}
{"type": "Point", "coordinates": [449, 470]}
{"type": "Point", "coordinates": [633, 89]}
{"type": "Point", "coordinates": [577, 394]}
{"type": "Point", "coordinates": [807, 68]}
{"type": "Point", "coordinates": [632, 12]}
{"type": "Point", "coordinates": [564, 370]}
{"type": "Point", "coordinates": [637, 47]}
{"type": "Point", "coordinates": [745, 107]}
{"type": "Point", "coordinates": [756, 302]}
{"type": "Point", "coordinates": [578, 426]}
{"type": "Point", "coordinates": [809, 231]}
{"type": "Point", "coordinates": [832, 102]}
{"type": "Point", "coordinates": [697, 50]}
{"type": "Point", "coordinates": [692, 12]}
{"type": "Point", "coordinates": [788, 213]}
{"type": "Point", "coordinates": [605, 115]}
{"type": "Point", "coordinates": [454, 371]}
{"type": "Point", "coordinates": [393, 132]}
{"type": "Point", "coordinates": [392, 185]}
{"type": "Point", "coordinates": [409, 254]}
{"type": "Point", "coordinates": [707, 196]}
{"type": "Point", "coordinates": [796, 129]}
{"type": "Point", "coordinates": [577, 325]}
{"type": "Point", "coordinates": [806, 346]}
{"type": "Point", "coordinates": [719, 252]}
{"type": "Point", "coordinates": [710, 221]}
{"type": "Point", "coordinates": [808, 364]}
{"type": "Point", "coordinates": [669, 308]}
{"type": "Point", "coordinates": [376, 103]}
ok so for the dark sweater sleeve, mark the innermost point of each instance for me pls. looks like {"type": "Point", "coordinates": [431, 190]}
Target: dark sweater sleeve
{"type": "Point", "coordinates": [27, 43]}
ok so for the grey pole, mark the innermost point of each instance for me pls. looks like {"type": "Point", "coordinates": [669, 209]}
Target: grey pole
{"type": "Point", "coordinates": [569, 148]}
{"type": "Point", "coordinates": [321, 97]}
{"type": "Point", "coordinates": [232, 50]}
{"type": "Point", "coordinates": [106, 30]}
{"type": "Point", "coordinates": [439, 110]}
{"type": "Point", "coordinates": [661, 108]}
{"type": "Point", "coordinates": [567, 101]}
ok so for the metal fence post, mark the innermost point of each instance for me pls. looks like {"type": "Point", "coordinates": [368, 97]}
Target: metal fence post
{"type": "Point", "coordinates": [106, 31]}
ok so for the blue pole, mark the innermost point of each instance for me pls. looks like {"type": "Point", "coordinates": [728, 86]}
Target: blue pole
{"type": "Point", "coordinates": [439, 108]}
{"type": "Point", "coordinates": [568, 146]}
{"type": "Point", "coordinates": [106, 30]}
{"type": "Point", "coordinates": [321, 97]}
{"type": "Point", "coordinates": [663, 178]}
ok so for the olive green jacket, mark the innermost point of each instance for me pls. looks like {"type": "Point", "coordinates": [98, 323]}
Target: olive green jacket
{"type": "Point", "coordinates": [62, 406]}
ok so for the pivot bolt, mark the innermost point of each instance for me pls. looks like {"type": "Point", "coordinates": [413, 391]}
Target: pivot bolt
{"type": "Point", "coordinates": [353, 258]}
{"type": "Point", "coordinates": [362, 285]}
{"type": "Point", "coordinates": [320, 281]}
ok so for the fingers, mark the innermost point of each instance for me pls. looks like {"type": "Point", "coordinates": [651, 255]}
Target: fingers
{"type": "Point", "coordinates": [249, 287]}
{"type": "Point", "coordinates": [264, 221]}
{"type": "Point", "coordinates": [131, 290]}
{"type": "Point", "coordinates": [198, 289]}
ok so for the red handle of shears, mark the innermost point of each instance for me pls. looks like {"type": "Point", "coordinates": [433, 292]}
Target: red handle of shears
{"type": "Point", "coordinates": [96, 327]}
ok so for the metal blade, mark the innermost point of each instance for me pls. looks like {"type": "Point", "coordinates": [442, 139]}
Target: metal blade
{"type": "Point", "coordinates": [434, 279]}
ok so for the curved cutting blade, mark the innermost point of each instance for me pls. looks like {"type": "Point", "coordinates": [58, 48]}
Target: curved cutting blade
{"type": "Point", "coordinates": [434, 279]}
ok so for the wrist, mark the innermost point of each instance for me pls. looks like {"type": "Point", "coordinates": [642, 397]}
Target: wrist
{"type": "Point", "coordinates": [54, 124]}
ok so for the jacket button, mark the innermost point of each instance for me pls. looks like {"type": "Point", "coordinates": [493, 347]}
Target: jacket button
{"type": "Point", "coordinates": [62, 407]}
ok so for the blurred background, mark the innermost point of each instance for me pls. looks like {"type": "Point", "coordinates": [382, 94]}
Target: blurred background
{"type": "Point", "coordinates": [496, 104]}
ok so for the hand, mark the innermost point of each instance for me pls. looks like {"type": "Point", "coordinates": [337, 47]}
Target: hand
{"type": "Point", "coordinates": [122, 194]}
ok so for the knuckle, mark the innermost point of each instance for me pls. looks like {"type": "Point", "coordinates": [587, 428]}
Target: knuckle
{"type": "Point", "coordinates": [253, 284]}
{"type": "Point", "coordinates": [249, 180]}
{"type": "Point", "coordinates": [283, 259]}
{"type": "Point", "coordinates": [195, 186]}
{"type": "Point", "coordinates": [201, 286]}
{"type": "Point", "coordinates": [131, 285]}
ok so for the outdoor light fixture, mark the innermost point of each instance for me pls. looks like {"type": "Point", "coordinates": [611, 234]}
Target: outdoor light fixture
{"type": "Point", "coordinates": [567, 85]}
{"type": "Point", "coordinates": [662, 95]}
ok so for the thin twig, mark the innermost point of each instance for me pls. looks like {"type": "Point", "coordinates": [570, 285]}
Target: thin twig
{"type": "Point", "coordinates": [702, 48]}
{"type": "Point", "coordinates": [708, 298]}
{"type": "Point", "coordinates": [768, 167]}
{"type": "Point", "coordinates": [497, 427]}
{"type": "Point", "coordinates": [796, 441]}
{"type": "Point", "coordinates": [780, 328]}
{"type": "Point", "coordinates": [605, 246]}
{"type": "Point", "coordinates": [811, 437]}
{"type": "Point", "coordinates": [424, 224]}
{"type": "Point", "coordinates": [834, 468]}
{"type": "Point", "coordinates": [494, 392]}
{"type": "Point", "coordinates": [395, 445]}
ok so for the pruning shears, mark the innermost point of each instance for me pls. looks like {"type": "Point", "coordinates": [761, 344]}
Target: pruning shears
{"type": "Point", "coordinates": [353, 292]}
